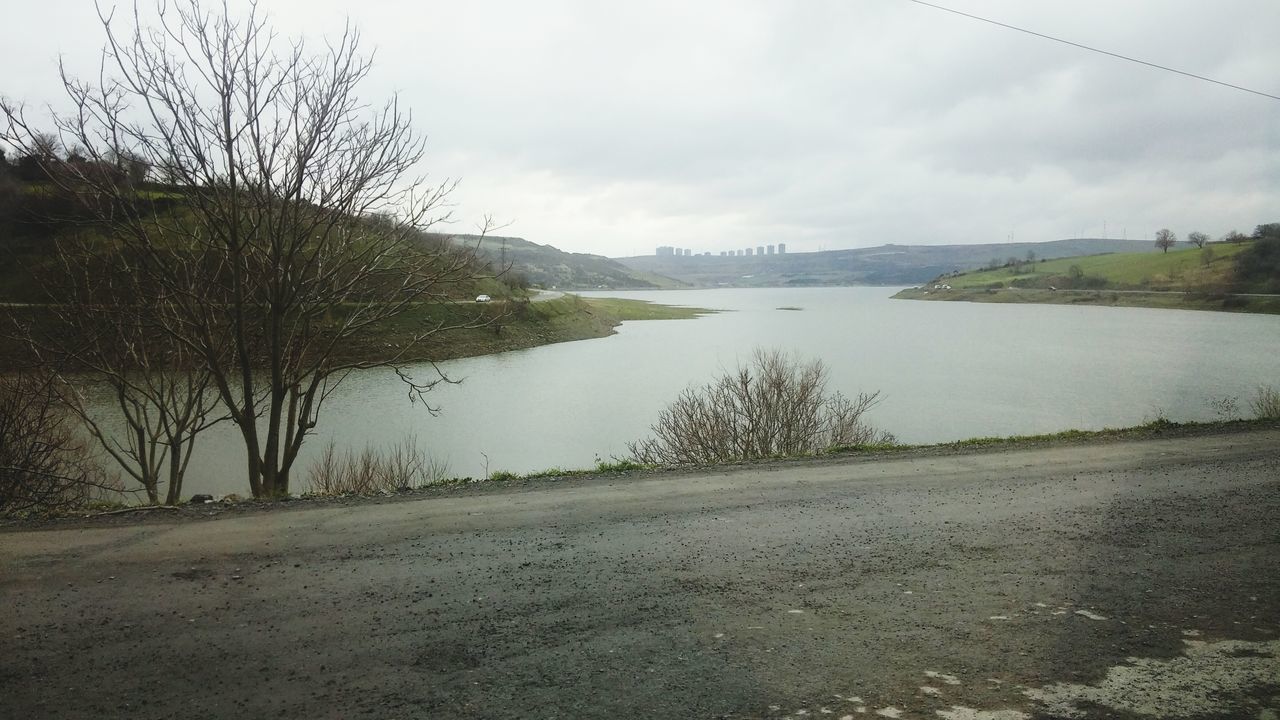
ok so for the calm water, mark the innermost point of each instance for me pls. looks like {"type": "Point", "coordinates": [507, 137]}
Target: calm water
{"type": "Point", "coordinates": [946, 370]}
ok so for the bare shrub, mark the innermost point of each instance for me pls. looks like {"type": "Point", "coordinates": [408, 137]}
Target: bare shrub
{"type": "Point", "coordinates": [1227, 407]}
{"type": "Point", "coordinates": [374, 470]}
{"type": "Point", "coordinates": [778, 405]}
{"type": "Point", "coordinates": [1266, 403]}
{"type": "Point", "coordinates": [45, 465]}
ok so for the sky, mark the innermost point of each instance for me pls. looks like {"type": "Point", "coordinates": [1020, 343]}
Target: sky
{"type": "Point", "coordinates": [613, 128]}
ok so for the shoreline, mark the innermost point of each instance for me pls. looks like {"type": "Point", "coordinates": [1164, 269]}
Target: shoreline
{"type": "Point", "coordinates": [1156, 299]}
{"type": "Point", "coordinates": [609, 474]}
{"type": "Point", "coordinates": [509, 325]}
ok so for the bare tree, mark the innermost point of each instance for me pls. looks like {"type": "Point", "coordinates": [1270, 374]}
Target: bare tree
{"type": "Point", "coordinates": [776, 406]}
{"type": "Point", "coordinates": [44, 465]}
{"type": "Point", "coordinates": [1197, 238]}
{"type": "Point", "coordinates": [1165, 239]}
{"type": "Point", "coordinates": [302, 227]}
{"type": "Point", "coordinates": [102, 338]}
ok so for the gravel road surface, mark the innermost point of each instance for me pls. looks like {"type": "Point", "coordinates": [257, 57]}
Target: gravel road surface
{"type": "Point", "coordinates": [1130, 580]}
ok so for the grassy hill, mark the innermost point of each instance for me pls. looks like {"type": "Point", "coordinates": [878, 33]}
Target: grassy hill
{"type": "Point", "coordinates": [34, 218]}
{"type": "Point", "coordinates": [1221, 276]}
{"type": "Point", "coordinates": [881, 265]}
{"type": "Point", "coordinates": [1186, 269]}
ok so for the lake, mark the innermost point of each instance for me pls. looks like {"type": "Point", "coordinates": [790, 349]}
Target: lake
{"type": "Point", "coordinates": [946, 371]}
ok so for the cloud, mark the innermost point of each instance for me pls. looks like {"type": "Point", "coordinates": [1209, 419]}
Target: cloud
{"type": "Point", "coordinates": [616, 127]}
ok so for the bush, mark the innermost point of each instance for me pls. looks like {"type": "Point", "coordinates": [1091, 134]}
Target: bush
{"type": "Point", "coordinates": [45, 465]}
{"type": "Point", "coordinates": [1266, 403]}
{"type": "Point", "coordinates": [1257, 268]}
{"type": "Point", "coordinates": [776, 406]}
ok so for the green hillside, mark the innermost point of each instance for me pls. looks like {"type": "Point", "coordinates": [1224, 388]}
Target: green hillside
{"type": "Point", "coordinates": [1241, 276]}
{"type": "Point", "coordinates": [1176, 270]}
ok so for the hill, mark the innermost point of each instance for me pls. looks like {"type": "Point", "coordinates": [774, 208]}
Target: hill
{"type": "Point", "coordinates": [881, 265]}
{"type": "Point", "coordinates": [549, 267]}
{"type": "Point", "coordinates": [1242, 275]}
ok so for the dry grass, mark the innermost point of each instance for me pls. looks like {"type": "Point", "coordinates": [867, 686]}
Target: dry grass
{"type": "Point", "coordinates": [401, 466]}
{"type": "Point", "coordinates": [1266, 403]}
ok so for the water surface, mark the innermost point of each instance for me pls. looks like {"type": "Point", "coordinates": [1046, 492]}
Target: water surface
{"type": "Point", "coordinates": [946, 371]}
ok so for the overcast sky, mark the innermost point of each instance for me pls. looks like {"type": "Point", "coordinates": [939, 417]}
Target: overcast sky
{"type": "Point", "coordinates": [614, 127]}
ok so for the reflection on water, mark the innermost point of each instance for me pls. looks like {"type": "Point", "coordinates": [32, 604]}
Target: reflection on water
{"type": "Point", "coordinates": [947, 371]}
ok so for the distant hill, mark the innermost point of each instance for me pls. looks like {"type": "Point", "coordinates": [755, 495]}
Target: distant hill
{"type": "Point", "coordinates": [882, 265]}
{"type": "Point", "coordinates": [550, 267]}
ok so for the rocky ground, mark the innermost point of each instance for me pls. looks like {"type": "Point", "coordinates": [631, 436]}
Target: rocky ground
{"type": "Point", "coordinates": [1124, 579]}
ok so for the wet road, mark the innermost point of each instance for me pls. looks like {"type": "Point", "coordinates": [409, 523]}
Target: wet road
{"type": "Point", "coordinates": [1123, 579]}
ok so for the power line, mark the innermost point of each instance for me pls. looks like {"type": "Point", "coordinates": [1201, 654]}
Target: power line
{"type": "Point", "coordinates": [1094, 49]}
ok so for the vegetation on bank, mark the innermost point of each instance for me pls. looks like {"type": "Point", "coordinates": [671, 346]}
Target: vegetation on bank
{"type": "Point", "coordinates": [775, 405]}
{"type": "Point", "coordinates": [1238, 274]}
{"type": "Point", "coordinates": [47, 465]}
{"type": "Point", "coordinates": [627, 309]}
{"type": "Point", "coordinates": [1105, 298]}
{"type": "Point", "coordinates": [379, 476]}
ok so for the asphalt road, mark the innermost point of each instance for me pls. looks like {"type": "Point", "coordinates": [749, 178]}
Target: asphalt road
{"type": "Point", "coordinates": [1130, 580]}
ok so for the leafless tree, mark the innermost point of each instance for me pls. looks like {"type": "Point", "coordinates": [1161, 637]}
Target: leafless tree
{"type": "Point", "coordinates": [44, 465]}
{"type": "Point", "coordinates": [1165, 239]}
{"type": "Point", "coordinates": [1197, 238]}
{"type": "Point", "coordinates": [301, 229]}
{"type": "Point", "coordinates": [101, 337]}
{"type": "Point", "coordinates": [775, 406]}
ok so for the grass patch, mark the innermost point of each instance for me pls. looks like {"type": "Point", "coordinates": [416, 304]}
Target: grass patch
{"type": "Point", "coordinates": [1159, 427]}
{"type": "Point", "coordinates": [644, 310]}
{"type": "Point", "coordinates": [603, 467]}
{"type": "Point", "coordinates": [620, 466]}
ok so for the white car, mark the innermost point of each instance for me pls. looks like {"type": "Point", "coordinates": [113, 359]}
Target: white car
{"type": "Point", "coordinates": [483, 298]}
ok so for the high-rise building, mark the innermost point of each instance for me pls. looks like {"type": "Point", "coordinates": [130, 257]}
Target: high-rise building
{"type": "Point", "coordinates": [782, 248]}
{"type": "Point", "coordinates": [760, 250]}
{"type": "Point", "coordinates": [749, 251]}
{"type": "Point", "coordinates": [665, 250]}
{"type": "Point", "coordinates": [687, 252]}
{"type": "Point", "coordinates": [772, 249]}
